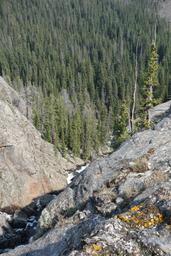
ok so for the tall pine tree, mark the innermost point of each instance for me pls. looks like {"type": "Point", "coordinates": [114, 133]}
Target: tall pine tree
{"type": "Point", "coordinates": [150, 83]}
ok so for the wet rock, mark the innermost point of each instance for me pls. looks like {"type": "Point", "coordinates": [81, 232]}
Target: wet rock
{"type": "Point", "coordinates": [19, 220]}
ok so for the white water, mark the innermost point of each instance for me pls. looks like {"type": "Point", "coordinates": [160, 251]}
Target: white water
{"type": "Point", "coordinates": [73, 174]}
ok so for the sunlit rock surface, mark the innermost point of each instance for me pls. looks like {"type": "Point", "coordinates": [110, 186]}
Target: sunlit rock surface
{"type": "Point", "coordinates": [29, 167]}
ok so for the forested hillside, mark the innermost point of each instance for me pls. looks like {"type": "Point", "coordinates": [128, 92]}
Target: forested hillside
{"type": "Point", "coordinates": [81, 57]}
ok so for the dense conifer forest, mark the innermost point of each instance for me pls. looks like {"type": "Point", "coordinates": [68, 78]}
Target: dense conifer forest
{"type": "Point", "coordinates": [84, 58]}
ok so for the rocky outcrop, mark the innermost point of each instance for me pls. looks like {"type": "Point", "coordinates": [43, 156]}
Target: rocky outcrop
{"type": "Point", "coordinates": [29, 167]}
{"type": "Point", "coordinates": [160, 111]}
{"type": "Point", "coordinates": [119, 205]}
{"type": "Point", "coordinates": [9, 95]}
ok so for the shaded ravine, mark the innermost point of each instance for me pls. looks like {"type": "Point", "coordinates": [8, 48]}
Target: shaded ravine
{"type": "Point", "coordinates": [22, 223]}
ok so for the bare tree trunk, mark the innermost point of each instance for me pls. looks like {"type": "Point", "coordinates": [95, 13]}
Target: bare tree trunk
{"type": "Point", "coordinates": [27, 103]}
{"type": "Point", "coordinates": [155, 26]}
{"type": "Point", "coordinates": [121, 46]}
{"type": "Point", "coordinates": [129, 119]}
{"type": "Point", "coordinates": [150, 100]}
{"type": "Point", "coordinates": [135, 89]}
{"type": "Point", "coordinates": [155, 33]}
{"type": "Point", "coordinates": [151, 94]}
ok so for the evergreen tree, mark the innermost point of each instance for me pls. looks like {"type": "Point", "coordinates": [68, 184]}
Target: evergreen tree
{"type": "Point", "coordinates": [75, 134]}
{"type": "Point", "coordinates": [121, 131]}
{"type": "Point", "coordinates": [150, 83]}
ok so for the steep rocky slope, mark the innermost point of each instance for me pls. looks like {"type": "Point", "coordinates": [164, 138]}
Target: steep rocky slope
{"type": "Point", "coordinates": [120, 205]}
{"type": "Point", "coordinates": [29, 167]}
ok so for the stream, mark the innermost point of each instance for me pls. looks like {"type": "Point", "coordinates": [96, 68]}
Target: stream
{"type": "Point", "coordinates": [71, 175]}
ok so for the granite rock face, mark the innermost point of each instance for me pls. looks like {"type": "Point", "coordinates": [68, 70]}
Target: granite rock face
{"type": "Point", "coordinates": [119, 205]}
{"type": "Point", "coordinates": [29, 167]}
{"type": "Point", "coordinates": [9, 95]}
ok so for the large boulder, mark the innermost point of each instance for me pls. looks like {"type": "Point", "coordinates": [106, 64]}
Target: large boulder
{"type": "Point", "coordinates": [29, 166]}
{"type": "Point", "coordinates": [160, 111]}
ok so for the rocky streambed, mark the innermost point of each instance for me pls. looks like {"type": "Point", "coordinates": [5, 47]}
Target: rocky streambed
{"type": "Point", "coordinates": [18, 226]}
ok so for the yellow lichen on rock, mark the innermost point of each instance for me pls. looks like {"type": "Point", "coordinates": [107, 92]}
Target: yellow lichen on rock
{"type": "Point", "coordinates": [142, 216]}
{"type": "Point", "coordinates": [97, 247]}
{"type": "Point", "coordinates": [135, 208]}
{"type": "Point", "coordinates": [93, 249]}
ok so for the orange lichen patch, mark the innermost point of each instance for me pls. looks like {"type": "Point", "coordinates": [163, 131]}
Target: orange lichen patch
{"type": "Point", "coordinates": [135, 208]}
{"type": "Point", "coordinates": [143, 216]}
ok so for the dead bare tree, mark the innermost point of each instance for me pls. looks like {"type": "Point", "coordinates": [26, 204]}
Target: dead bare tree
{"type": "Point", "coordinates": [135, 90]}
